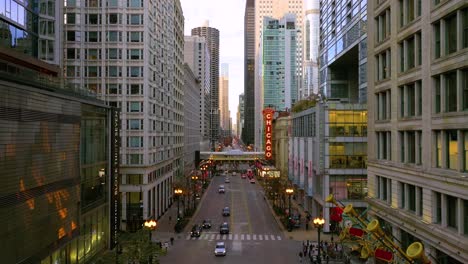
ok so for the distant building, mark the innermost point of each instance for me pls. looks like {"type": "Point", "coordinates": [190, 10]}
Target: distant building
{"type": "Point", "coordinates": [192, 136]}
{"type": "Point", "coordinates": [249, 73]}
{"type": "Point", "coordinates": [240, 115]}
{"type": "Point", "coordinates": [224, 97]}
{"type": "Point", "coordinates": [275, 9]}
{"type": "Point", "coordinates": [197, 56]}
{"type": "Point", "coordinates": [212, 39]}
{"type": "Point", "coordinates": [311, 48]}
{"type": "Point", "coordinates": [279, 53]}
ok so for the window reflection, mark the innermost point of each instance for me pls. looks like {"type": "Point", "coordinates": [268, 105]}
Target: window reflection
{"type": "Point", "coordinates": [347, 123]}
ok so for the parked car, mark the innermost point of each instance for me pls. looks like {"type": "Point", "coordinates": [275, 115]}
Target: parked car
{"type": "Point", "coordinates": [226, 211]}
{"type": "Point", "coordinates": [206, 223]}
{"type": "Point", "coordinates": [196, 231]}
{"type": "Point", "coordinates": [220, 249]}
{"type": "Point", "coordinates": [224, 228]}
{"type": "Point", "coordinates": [221, 189]}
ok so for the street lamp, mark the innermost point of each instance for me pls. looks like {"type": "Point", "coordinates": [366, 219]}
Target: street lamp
{"type": "Point", "coordinates": [318, 223]}
{"type": "Point", "coordinates": [289, 192]}
{"type": "Point", "coordinates": [151, 225]}
{"type": "Point", "coordinates": [178, 192]}
{"type": "Point", "coordinates": [194, 178]}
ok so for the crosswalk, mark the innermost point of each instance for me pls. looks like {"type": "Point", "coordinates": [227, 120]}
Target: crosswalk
{"type": "Point", "coordinates": [238, 237]}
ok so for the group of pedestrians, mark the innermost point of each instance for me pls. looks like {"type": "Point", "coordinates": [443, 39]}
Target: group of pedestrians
{"type": "Point", "coordinates": [310, 251]}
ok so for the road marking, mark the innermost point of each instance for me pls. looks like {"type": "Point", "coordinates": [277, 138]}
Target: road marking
{"type": "Point", "coordinates": [248, 237]}
{"type": "Point", "coordinates": [279, 237]}
{"type": "Point", "coordinates": [188, 237]}
{"type": "Point", "coordinates": [266, 237]}
{"type": "Point", "coordinates": [246, 207]}
{"type": "Point", "coordinates": [242, 237]}
{"type": "Point", "coordinates": [217, 237]}
{"type": "Point", "coordinates": [212, 236]}
{"type": "Point", "coordinates": [254, 237]}
{"type": "Point", "coordinates": [230, 236]}
{"type": "Point", "coordinates": [273, 237]}
{"type": "Point", "coordinates": [236, 237]}
{"type": "Point", "coordinates": [260, 237]}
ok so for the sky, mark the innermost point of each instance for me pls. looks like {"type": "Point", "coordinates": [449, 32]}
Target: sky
{"type": "Point", "coordinates": [228, 17]}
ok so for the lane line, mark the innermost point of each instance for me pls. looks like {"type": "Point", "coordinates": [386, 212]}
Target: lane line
{"type": "Point", "coordinates": [230, 236]}
{"type": "Point", "coordinates": [260, 237]}
{"type": "Point", "coordinates": [212, 236]}
{"type": "Point", "coordinates": [242, 237]}
{"type": "Point", "coordinates": [254, 237]}
{"type": "Point", "coordinates": [248, 237]}
{"type": "Point", "coordinates": [279, 237]}
{"type": "Point", "coordinates": [273, 237]}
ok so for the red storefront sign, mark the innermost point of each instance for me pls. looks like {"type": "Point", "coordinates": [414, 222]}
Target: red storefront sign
{"type": "Point", "coordinates": [268, 117]}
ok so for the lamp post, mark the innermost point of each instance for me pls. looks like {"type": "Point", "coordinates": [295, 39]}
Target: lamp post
{"type": "Point", "coordinates": [318, 223]}
{"type": "Point", "coordinates": [151, 225]}
{"type": "Point", "coordinates": [289, 192]}
{"type": "Point", "coordinates": [194, 179]}
{"type": "Point", "coordinates": [178, 192]}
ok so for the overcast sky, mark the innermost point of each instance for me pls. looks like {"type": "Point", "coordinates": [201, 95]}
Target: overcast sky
{"type": "Point", "coordinates": [228, 17]}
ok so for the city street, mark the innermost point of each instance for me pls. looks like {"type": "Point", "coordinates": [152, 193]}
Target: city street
{"type": "Point", "coordinates": [254, 234]}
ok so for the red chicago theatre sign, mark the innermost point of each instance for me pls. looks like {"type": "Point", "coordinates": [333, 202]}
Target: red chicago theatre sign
{"type": "Point", "coordinates": [268, 117]}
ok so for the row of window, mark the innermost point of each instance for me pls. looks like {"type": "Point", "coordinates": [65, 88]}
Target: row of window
{"type": "Point", "coordinates": [445, 208]}
{"type": "Point", "coordinates": [110, 71]}
{"type": "Point", "coordinates": [450, 94]}
{"type": "Point", "coordinates": [108, 3]}
{"type": "Point", "coordinates": [451, 33]}
{"type": "Point", "coordinates": [137, 124]}
{"type": "Point", "coordinates": [450, 148]}
{"type": "Point", "coordinates": [97, 19]}
{"type": "Point", "coordinates": [137, 142]}
{"type": "Point", "coordinates": [110, 36]}
{"type": "Point", "coordinates": [110, 54]}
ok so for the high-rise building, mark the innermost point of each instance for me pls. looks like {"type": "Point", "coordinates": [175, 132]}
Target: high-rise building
{"type": "Point", "coordinates": [212, 39]}
{"type": "Point", "coordinates": [279, 53]}
{"type": "Point", "coordinates": [240, 115]}
{"type": "Point", "coordinates": [131, 54]}
{"type": "Point", "coordinates": [56, 165]}
{"type": "Point", "coordinates": [192, 136]}
{"type": "Point", "coordinates": [339, 148]}
{"type": "Point", "coordinates": [249, 73]}
{"type": "Point", "coordinates": [274, 9]}
{"type": "Point", "coordinates": [310, 47]}
{"type": "Point", "coordinates": [418, 133]}
{"type": "Point", "coordinates": [197, 56]}
{"type": "Point", "coordinates": [224, 96]}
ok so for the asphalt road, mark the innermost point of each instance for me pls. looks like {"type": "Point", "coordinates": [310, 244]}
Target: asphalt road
{"type": "Point", "coordinates": [254, 234]}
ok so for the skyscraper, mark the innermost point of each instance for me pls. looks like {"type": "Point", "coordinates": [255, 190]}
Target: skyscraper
{"type": "Point", "coordinates": [418, 137]}
{"type": "Point", "coordinates": [311, 47]}
{"type": "Point", "coordinates": [212, 39]}
{"type": "Point", "coordinates": [197, 56]}
{"type": "Point", "coordinates": [224, 96]}
{"type": "Point", "coordinates": [112, 51]}
{"type": "Point", "coordinates": [275, 9]}
{"type": "Point", "coordinates": [278, 47]}
{"type": "Point", "coordinates": [249, 73]}
{"type": "Point", "coordinates": [240, 115]}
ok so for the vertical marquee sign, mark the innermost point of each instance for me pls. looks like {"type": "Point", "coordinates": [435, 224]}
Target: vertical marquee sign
{"type": "Point", "coordinates": [268, 117]}
{"type": "Point", "coordinates": [114, 177]}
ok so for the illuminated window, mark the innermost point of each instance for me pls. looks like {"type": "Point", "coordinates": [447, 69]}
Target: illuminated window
{"type": "Point", "coordinates": [438, 139]}
{"type": "Point", "coordinates": [452, 144]}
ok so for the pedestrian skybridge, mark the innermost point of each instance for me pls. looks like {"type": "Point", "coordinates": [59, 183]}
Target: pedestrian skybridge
{"type": "Point", "coordinates": [232, 155]}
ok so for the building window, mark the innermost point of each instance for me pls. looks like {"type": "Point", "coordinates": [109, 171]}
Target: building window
{"type": "Point", "coordinates": [94, 19]}
{"type": "Point", "coordinates": [114, 54]}
{"type": "Point", "coordinates": [134, 3]}
{"type": "Point", "coordinates": [464, 77]}
{"type": "Point", "coordinates": [401, 135]}
{"type": "Point", "coordinates": [384, 189]}
{"type": "Point", "coordinates": [135, 71]}
{"type": "Point", "coordinates": [135, 36]}
{"type": "Point", "coordinates": [135, 54]}
{"type": "Point", "coordinates": [411, 197]}
{"type": "Point", "coordinates": [382, 23]}
{"type": "Point", "coordinates": [114, 36]}
{"type": "Point", "coordinates": [383, 61]}
{"type": "Point", "coordinates": [437, 208]}
{"type": "Point", "coordinates": [452, 212]}
{"type": "Point", "coordinates": [134, 89]}
{"type": "Point", "coordinates": [113, 88]}
{"type": "Point", "coordinates": [465, 151]}
{"type": "Point", "coordinates": [402, 203]}
{"type": "Point", "coordinates": [451, 34]}
{"type": "Point", "coordinates": [409, 10]}
{"type": "Point", "coordinates": [135, 19]}
{"type": "Point", "coordinates": [135, 107]}
{"type": "Point", "coordinates": [436, 40]}
{"type": "Point", "coordinates": [135, 142]}
{"type": "Point", "coordinates": [70, 18]}
{"type": "Point", "coordinates": [383, 103]}
{"type": "Point", "coordinates": [411, 99]}
{"type": "Point", "coordinates": [135, 124]}
{"type": "Point", "coordinates": [465, 28]}
{"type": "Point", "coordinates": [452, 146]}
{"type": "Point", "coordinates": [114, 19]}
{"type": "Point", "coordinates": [114, 71]}
{"type": "Point", "coordinates": [384, 145]}
{"type": "Point", "coordinates": [438, 145]}
{"type": "Point", "coordinates": [411, 139]}
{"type": "Point", "coordinates": [437, 95]}
{"type": "Point", "coordinates": [451, 91]}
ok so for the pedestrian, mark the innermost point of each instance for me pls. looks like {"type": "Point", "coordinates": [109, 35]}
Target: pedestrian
{"type": "Point", "coordinates": [172, 241]}
{"type": "Point", "coordinates": [300, 257]}
{"type": "Point", "coordinates": [170, 218]}
{"type": "Point", "coordinates": [307, 226]}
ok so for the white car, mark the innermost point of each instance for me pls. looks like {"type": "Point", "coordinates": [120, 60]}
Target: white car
{"type": "Point", "coordinates": [221, 189]}
{"type": "Point", "coordinates": [227, 180]}
{"type": "Point", "coordinates": [220, 249]}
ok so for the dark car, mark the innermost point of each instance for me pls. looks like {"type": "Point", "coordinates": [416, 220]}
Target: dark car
{"type": "Point", "coordinates": [206, 223]}
{"type": "Point", "coordinates": [196, 231]}
{"type": "Point", "coordinates": [226, 211]}
{"type": "Point", "coordinates": [224, 228]}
